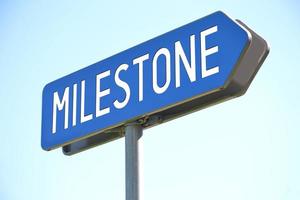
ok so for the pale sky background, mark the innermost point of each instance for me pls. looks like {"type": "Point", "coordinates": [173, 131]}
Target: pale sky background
{"type": "Point", "coordinates": [243, 149]}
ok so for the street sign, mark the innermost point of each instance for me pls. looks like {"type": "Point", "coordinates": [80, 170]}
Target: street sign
{"type": "Point", "coordinates": [199, 64]}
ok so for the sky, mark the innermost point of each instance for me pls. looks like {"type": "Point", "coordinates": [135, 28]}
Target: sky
{"type": "Point", "coordinates": [245, 148]}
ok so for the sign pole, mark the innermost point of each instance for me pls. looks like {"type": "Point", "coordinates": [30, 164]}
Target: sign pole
{"type": "Point", "coordinates": [133, 133]}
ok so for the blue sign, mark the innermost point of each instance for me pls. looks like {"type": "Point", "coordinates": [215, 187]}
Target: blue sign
{"type": "Point", "coordinates": [189, 62]}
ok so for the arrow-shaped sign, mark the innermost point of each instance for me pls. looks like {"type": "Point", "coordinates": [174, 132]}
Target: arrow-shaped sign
{"type": "Point", "coordinates": [199, 64]}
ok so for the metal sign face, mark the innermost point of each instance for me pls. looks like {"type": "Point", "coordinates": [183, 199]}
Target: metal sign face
{"type": "Point", "coordinates": [191, 67]}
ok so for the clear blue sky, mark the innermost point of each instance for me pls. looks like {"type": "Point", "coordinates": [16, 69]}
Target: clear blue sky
{"type": "Point", "coordinates": [246, 148]}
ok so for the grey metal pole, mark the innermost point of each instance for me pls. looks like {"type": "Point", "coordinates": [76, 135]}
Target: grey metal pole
{"type": "Point", "coordinates": [133, 132]}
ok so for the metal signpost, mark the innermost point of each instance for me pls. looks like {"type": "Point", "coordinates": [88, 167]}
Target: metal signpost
{"type": "Point", "coordinates": [133, 132]}
{"type": "Point", "coordinates": [205, 62]}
